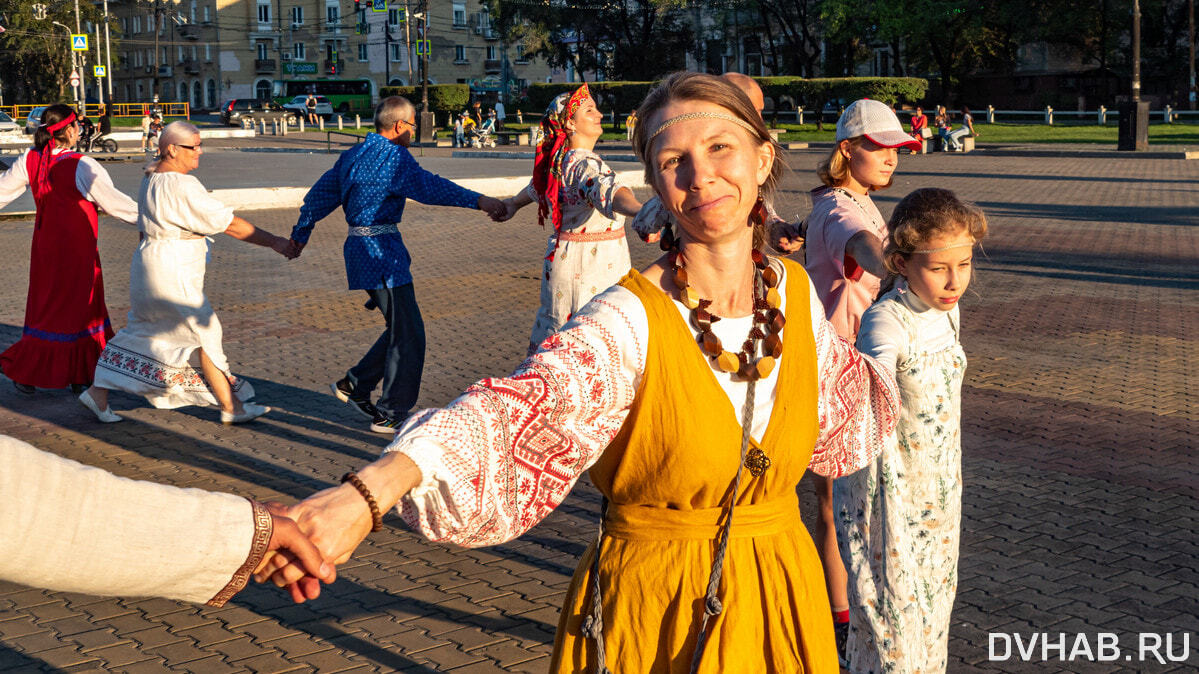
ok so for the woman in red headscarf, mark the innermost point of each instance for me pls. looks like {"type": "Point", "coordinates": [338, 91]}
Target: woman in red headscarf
{"type": "Point", "coordinates": [579, 193]}
{"type": "Point", "coordinates": [66, 322]}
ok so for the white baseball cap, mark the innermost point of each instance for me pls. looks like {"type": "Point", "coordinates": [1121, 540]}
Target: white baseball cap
{"type": "Point", "coordinates": [876, 121]}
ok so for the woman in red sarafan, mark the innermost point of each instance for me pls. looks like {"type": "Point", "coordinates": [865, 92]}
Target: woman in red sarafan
{"type": "Point", "coordinates": [66, 322]}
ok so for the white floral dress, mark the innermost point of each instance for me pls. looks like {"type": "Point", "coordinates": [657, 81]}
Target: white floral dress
{"type": "Point", "coordinates": [899, 519]}
{"type": "Point", "coordinates": [589, 253]}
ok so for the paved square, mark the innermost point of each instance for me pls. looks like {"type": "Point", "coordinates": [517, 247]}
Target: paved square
{"type": "Point", "coordinates": [1081, 470]}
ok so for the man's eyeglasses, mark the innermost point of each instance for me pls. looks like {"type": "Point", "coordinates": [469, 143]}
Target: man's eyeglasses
{"type": "Point", "coordinates": [196, 147]}
{"type": "Point", "coordinates": [404, 121]}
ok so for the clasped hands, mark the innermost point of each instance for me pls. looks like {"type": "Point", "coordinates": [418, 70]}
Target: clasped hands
{"type": "Point", "coordinates": [311, 538]}
{"type": "Point", "coordinates": [288, 248]}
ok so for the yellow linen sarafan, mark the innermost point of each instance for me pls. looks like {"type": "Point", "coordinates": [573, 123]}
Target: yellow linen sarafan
{"type": "Point", "coordinates": [666, 477]}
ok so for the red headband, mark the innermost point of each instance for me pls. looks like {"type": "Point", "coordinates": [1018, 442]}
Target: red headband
{"type": "Point", "coordinates": [63, 124]}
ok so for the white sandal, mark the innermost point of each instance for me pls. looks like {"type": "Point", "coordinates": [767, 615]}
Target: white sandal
{"type": "Point", "coordinates": [106, 416]}
{"type": "Point", "coordinates": [251, 411]}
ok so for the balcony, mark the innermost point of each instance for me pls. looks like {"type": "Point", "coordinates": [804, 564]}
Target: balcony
{"type": "Point", "coordinates": [264, 66]}
{"type": "Point", "coordinates": [191, 67]}
{"type": "Point", "coordinates": [165, 71]}
{"type": "Point", "coordinates": [335, 67]}
{"type": "Point", "coordinates": [492, 65]}
{"type": "Point", "coordinates": [189, 31]}
{"type": "Point", "coordinates": [490, 33]}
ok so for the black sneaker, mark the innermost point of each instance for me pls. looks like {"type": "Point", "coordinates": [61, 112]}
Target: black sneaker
{"type": "Point", "coordinates": [841, 634]}
{"type": "Point", "coordinates": [344, 391]}
{"type": "Point", "coordinates": [385, 424]}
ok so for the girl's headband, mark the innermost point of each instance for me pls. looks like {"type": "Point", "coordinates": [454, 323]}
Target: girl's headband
{"type": "Point", "coordinates": [70, 119]}
{"type": "Point", "coordinates": [943, 248]}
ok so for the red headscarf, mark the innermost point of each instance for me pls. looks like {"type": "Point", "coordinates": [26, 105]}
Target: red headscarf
{"type": "Point", "coordinates": [547, 166]}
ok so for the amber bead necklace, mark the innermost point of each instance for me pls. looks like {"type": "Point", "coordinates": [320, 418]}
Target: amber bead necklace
{"type": "Point", "coordinates": [768, 320]}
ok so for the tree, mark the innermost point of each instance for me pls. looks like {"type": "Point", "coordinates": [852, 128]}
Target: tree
{"type": "Point", "coordinates": [623, 39]}
{"type": "Point", "coordinates": [35, 61]}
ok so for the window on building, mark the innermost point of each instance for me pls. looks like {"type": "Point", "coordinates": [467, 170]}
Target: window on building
{"type": "Point", "coordinates": [262, 90]}
{"type": "Point", "coordinates": [207, 16]}
{"type": "Point", "coordinates": [193, 52]}
{"type": "Point", "coordinates": [181, 53]}
{"type": "Point", "coordinates": [332, 15]}
{"type": "Point", "coordinates": [297, 51]}
{"type": "Point", "coordinates": [297, 16]}
{"type": "Point", "coordinates": [493, 53]}
{"type": "Point", "coordinates": [397, 52]}
{"type": "Point", "coordinates": [264, 13]}
{"type": "Point", "coordinates": [191, 13]}
{"type": "Point", "coordinates": [393, 17]}
{"type": "Point", "coordinates": [137, 24]}
{"type": "Point", "coordinates": [459, 15]}
{"type": "Point", "coordinates": [362, 57]}
{"type": "Point", "coordinates": [459, 53]}
{"type": "Point", "coordinates": [261, 47]}
{"type": "Point", "coordinates": [211, 93]}
{"type": "Point", "coordinates": [208, 52]}
{"type": "Point", "coordinates": [520, 54]}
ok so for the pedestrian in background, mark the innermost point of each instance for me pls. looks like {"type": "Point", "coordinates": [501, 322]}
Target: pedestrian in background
{"type": "Point", "coordinates": [170, 350]}
{"type": "Point", "coordinates": [66, 321]}
{"type": "Point", "coordinates": [844, 240]}
{"type": "Point", "coordinates": [499, 114]}
{"type": "Point", "coordinates": [371, 183]}
{"type": "Point", "coordinates": [310, 105]}
{"type": "Point", "coordinates": [966, 129]}
{"type": "Point", "coordinates": [146, 121]}
{"type": "Point", "coordinates": [899, 520]}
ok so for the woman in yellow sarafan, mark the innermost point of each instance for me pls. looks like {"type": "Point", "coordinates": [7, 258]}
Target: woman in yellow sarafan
{"type": "Point", "coordinates": [697, 392]}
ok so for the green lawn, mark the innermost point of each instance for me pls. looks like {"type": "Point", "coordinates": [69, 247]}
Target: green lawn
{"type": "Point", "coordinates": [1165, 134]}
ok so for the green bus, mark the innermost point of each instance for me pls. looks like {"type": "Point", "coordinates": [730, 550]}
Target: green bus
{"type": "Point", "coordinates": [343, 95]}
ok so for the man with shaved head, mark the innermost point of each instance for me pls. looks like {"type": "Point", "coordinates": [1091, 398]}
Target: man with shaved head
{"type": "Point", "coordinates": [371, 182]}
{"type": "Point", "coordinates": [785, 236]}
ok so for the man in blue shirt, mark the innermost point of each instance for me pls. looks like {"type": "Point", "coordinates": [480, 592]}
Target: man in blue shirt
{"type": "Point", "coordinates": [371, 182]}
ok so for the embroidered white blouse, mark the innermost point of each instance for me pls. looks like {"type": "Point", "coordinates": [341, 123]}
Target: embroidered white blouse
{"type": "Point", "coordinates": [506, 452]}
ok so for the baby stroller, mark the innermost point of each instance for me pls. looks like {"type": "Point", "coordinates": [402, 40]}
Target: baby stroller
{"type": "Point", "coordinates": [485, 135]}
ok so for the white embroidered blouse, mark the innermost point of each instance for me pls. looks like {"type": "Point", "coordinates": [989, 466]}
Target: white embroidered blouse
{"type": "Point", "coordinates": [506, 452]}
{"type": "Point", "coordinates": [587, 194]}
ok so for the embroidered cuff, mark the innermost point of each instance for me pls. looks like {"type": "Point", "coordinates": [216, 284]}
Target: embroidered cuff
{"type": "Point", "coordinates": [263, 528]}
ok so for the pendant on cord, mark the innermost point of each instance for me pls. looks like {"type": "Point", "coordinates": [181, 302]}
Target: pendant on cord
{"type": "Point", "coordinates": [757, 462]}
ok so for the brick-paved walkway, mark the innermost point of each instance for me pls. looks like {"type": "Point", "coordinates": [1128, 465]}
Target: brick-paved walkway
{"type": "Point", "coordinates": [1080, 463]}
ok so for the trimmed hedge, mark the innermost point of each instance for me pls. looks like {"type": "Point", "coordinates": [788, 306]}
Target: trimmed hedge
{"type": "Point", "coordinates": [812, 94]}
{"type": "Point", "coordinates": [443, 98]}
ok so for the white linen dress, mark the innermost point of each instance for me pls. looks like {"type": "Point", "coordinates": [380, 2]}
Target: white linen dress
{"type": "Point", "coordinates": [899, 519]}
{"type": "Point", "coordinates": [590, 253]}
{"type": "Point", "coordinates": [155, 355]}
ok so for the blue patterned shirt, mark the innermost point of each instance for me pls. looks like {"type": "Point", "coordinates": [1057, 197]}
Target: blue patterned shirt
{"type": "Point", "coordinates": [371, 182]}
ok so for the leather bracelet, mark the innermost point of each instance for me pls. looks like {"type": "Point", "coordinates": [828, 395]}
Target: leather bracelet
{"type": "Point", "coordinates": [376, 516]}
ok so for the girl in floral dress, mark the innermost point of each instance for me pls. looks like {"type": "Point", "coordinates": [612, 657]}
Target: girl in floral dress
{"type": "Point", "coordinates": [899, 520]}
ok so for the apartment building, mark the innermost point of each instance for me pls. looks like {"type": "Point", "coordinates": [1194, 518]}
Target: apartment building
{"type": "Point", "coordinates": [208, 51]}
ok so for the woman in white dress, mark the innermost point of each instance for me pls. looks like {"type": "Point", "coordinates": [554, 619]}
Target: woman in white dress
{"type": "Point", "coordinates": [587, 252]}
{"type": "Point", "coordinates": [170, 351]}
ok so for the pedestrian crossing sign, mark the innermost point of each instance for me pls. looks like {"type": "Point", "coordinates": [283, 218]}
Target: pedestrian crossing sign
{"type": "Point", "coordinates": [79, 42]}
{"type": "Point", "coordinates": [100, 71]}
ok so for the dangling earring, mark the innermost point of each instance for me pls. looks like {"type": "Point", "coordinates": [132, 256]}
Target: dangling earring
{"type": "Point", "coordinates": [757, 215]}
{"type": "Point", "coordinates": [667, 243]}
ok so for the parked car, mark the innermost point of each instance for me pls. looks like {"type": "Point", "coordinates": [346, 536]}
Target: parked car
{"type": "Point", "coordinates": [234, 110]}
{"type": "Point", "coordinates": [7, 125]}
{"type": "Point", "coordinates": [298, 107]}
{"type": "Point", "coordinates": [34, 119]}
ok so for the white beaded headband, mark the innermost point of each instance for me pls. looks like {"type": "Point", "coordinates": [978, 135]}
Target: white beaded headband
{"type": "Point", "coordinates": [687, 116]}
{"type": "Point", "coordinates": [944, 248]}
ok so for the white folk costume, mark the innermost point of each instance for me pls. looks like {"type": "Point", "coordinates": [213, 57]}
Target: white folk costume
{"type": "Point", "coordinates": [75, 528]}
{"type": "Point", "coordinates": [587, 252]}
{"type": "Point", "coordinates": [899, 520]}
{"type": "Point", "coordinates": [611, 393]}
{"type": "Point", "coordinates": [155, 354]}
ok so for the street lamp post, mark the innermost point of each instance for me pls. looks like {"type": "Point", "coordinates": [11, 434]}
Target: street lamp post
{"type": "Point", "coordinates": [1134, 115]}
{"type": "Point", "coordinates": [71, 51]}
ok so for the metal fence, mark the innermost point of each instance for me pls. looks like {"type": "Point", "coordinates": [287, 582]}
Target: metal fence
{"type": "Point", "coordinates": [118, 109]}
{"type": "Point", "coordinates": [990, 115]}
